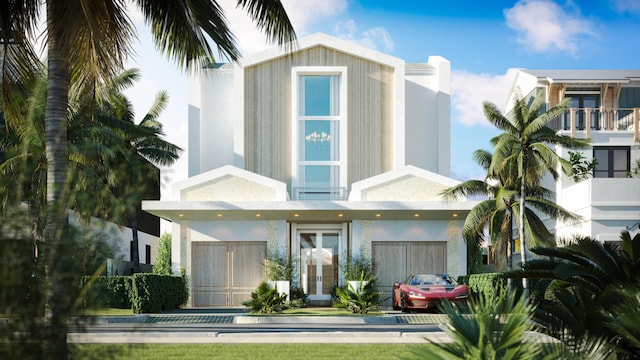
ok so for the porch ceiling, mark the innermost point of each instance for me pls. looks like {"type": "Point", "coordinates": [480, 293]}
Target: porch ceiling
{"type": "Point", "coordinates": [308, 210]}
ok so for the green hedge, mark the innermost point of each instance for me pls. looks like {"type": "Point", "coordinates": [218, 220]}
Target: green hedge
{"type": "Point", "coordinates": [488, 284]}
{"type": "Point", "coordinates": [106, 291]}
{"type": "Point", "coordinates": [151, 293]}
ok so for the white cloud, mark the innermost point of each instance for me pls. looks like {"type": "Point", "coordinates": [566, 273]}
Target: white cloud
{"type": "Point", "coordinates": [470, 90]}
{"type": "Point", "coordinates": [544, 26]}
{"type": "Point", "coordinates": [301, 14]}
{"type": "Point", "coordinates": [629, 6]}
{"type": "Point", "coordinates": [376, 38]}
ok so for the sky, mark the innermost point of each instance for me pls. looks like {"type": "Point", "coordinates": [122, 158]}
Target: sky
{"type": "Point", "coordinates": [484, 41]}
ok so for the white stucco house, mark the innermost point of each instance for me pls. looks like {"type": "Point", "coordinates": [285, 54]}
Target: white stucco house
{"type": "Point", "coordinates": [605, 108]}
{"type": "Point", "coordinates": [320, 154]}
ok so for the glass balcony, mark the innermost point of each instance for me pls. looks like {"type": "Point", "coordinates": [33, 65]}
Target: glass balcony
{"type": "Point", "coordinates": [320, 193]}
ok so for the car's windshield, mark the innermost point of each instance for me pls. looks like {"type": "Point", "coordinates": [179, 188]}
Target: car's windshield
{"type": "Point", "coordinates": [421, 280]}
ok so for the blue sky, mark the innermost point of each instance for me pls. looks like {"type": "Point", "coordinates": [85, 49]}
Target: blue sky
{"type": "Point", "coordinates": [482, 39]}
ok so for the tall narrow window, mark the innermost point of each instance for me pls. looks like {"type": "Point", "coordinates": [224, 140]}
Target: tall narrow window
{"type": "Point", "coordinates": [319, 163]}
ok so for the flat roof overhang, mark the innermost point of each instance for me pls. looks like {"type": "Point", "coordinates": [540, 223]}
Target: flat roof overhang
{"type": "Point", "coordinates": [310, 211]}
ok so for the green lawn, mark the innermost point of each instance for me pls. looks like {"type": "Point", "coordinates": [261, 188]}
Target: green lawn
{"type": "Point", "coordinates": [246, 351]}
{"type": "Point", "coordinates": [106, 312]}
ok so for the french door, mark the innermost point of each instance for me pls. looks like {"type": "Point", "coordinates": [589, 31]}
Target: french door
{"type": "Point", "coordinates": [319, 252]}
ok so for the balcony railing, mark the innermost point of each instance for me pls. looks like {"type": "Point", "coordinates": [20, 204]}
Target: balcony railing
{"type": "Point", "coordinates": [587, 120]}
{"type": "Point", "coordinates": [319, 193]}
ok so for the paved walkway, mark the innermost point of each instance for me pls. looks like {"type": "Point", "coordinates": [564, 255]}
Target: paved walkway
{"type": "Point", "coordinates": [193, 327]}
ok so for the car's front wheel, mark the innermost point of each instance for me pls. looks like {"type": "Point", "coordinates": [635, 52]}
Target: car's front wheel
{"type": "Point", "coordinates": [395, 303]}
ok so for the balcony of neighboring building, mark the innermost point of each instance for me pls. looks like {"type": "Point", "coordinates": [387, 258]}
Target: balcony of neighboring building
{"type": "Point", "coordinates": [584, 122]}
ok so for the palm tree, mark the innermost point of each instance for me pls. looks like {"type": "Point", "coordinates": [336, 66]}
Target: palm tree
{"type": "Point", "coordinates": [592, 285]}
{"type": "Point", "coordinates": [522, 151]}
{"type": "Point", "coordinates": [496, 214]}
{"type": "Point", "coordinates": [81, 50]}
{"type": "Point", "coordinates": [140, 149]}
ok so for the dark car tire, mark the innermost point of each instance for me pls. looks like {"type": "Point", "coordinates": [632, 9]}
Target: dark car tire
{"type": "Point", "coordinates": [403, 307]}
{"type": "Point", "coordinates": [395, 305]}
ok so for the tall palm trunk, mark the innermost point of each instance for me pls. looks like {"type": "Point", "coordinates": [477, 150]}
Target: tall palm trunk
{"type": "Point", "coordinates": [135, 254]}
{"type": "Point", "coordinates": [523, 249]}
{"type": "Point", "coordinates": [55, 317]}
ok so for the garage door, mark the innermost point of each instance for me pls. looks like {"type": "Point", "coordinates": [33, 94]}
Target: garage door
{"type": "Point", "coordinates": [395, 261]}
{"type": "Point", "coordinates": [225, 273]}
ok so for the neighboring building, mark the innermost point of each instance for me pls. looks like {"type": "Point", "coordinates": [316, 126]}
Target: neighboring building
{"type": "Point", "coordinates": [330, 151]}
{"type": "Point", "coordinates": [605, 108]}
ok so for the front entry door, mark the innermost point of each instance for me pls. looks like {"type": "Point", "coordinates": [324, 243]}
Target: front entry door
{"type": "Point", "coordinates": [319, 262]}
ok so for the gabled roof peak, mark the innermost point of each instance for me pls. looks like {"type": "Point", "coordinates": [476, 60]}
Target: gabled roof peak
{"type": "Point", "coordinates": [322, 39]}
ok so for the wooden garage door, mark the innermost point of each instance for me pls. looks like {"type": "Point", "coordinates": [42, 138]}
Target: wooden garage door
{"type": "Point", "coordinates": [225, 273]}
{"type": "Point", "coordinates": [395, 260]}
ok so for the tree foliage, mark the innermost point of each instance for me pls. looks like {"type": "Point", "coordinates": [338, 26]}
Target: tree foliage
{"type": "Point", "coordinates": [163, 261]}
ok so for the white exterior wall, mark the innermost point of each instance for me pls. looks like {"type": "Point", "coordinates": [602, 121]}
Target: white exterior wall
{"type": "Point", "coordinates": [213, 110]}
{"type": "Point", "coordinates": [427, 119]}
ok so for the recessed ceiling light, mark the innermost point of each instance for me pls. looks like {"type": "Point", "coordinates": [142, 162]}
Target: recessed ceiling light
{"type": "Point", "coordinates": [340, 215]}
{"type": "Point", "coordinates": [416, 215]}
{"type": "Point", "coordinates": [219, 215]}
{"type": "Point", "coordinates": [455, 215]}
{"type": "Point", "coordinates": [296, 215]}
{"type": "Point", "coordinates": [258, 215]}
{"type": "Point", "coordinates": [378, 215]}
{"type": "Point", "coordinates": [181, 215]}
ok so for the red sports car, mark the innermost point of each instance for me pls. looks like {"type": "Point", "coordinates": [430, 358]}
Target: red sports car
{"type": "Point", "coordinates": [425, 291]}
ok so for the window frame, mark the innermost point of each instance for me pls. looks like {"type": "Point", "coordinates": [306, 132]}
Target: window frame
{"type": "Point", "coordinates": [610, 158]}
{"type": "Point", "coordinates": [296, 163]}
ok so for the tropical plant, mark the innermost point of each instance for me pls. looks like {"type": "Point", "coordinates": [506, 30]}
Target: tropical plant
{"type": "Point", "coordinates": [522, 152]}
{"type": "Point", "coordinates": [357, 265]}
{"type": "Point", "coordinates": [582, 169]}
{"type": "Point", "coordinates": [494, 216]}
{"type": "Point", "coordinates": [502, 328]}
{"type": "Point", "coordinates": [298, 298]}
{"type": "Point", "coordinates": [139, 149]}
{"type": "Point", "coordinates": [583, 298]}
{"type": "Point", "coordinates": [163, 260]}
{"type": "Point", "coordinates": [81, 50]}
{"type": "Point", "coordinates": [278, 266]}
{"type": "Point", "coordinates": [496, 329]}
{"type": "Point", "coordinates": [361, 298]}
{"type": "Point", "coordinates": [624, 320]}
{"type": "Point", "coordinates": [266, 300]}
{"type": "Point", "coordinates": [635, 170]}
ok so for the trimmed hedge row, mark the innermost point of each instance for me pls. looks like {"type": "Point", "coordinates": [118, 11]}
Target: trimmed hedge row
{"type": "Point", "coordinates": [142, 292]}
{"type": "Point", "coordinates": [107, 291]}
{"type": "Point", "coordinates": [151, 293]}
{"type": "Point", "coordinates": [489, 284]}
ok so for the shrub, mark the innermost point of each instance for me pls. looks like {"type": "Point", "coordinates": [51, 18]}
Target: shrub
{"type": "Point", "coordinates": [356, 265]}
{"type": "Point", "coordinates": [278, 267]}
{"type": "Point", "coordinates": [163, 261]}
{"type": "Point", "coordinates": [106, 291]}
{"type": "Point", "coordinates": [361, 300]}
{"type": "Point", "coordinates": [266, 300]}
{"type": "Point", "coordinates": [489, 285]}
{"type": "Point", "coordinates": [298, 298]}
{"type": "Point", "coordinates": [153, 293]}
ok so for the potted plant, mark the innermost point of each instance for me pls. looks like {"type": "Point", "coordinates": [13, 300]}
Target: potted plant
{"type": "Point", "coordinates": [279, 271]}
{"type": "Point", "coordinates": [358, 269]}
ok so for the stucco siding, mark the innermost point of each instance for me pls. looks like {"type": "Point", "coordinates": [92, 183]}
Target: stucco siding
{"type": "Point", "coordinates": [229, 188]}
{"type": "Point", "coordinates": [409, 188]}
